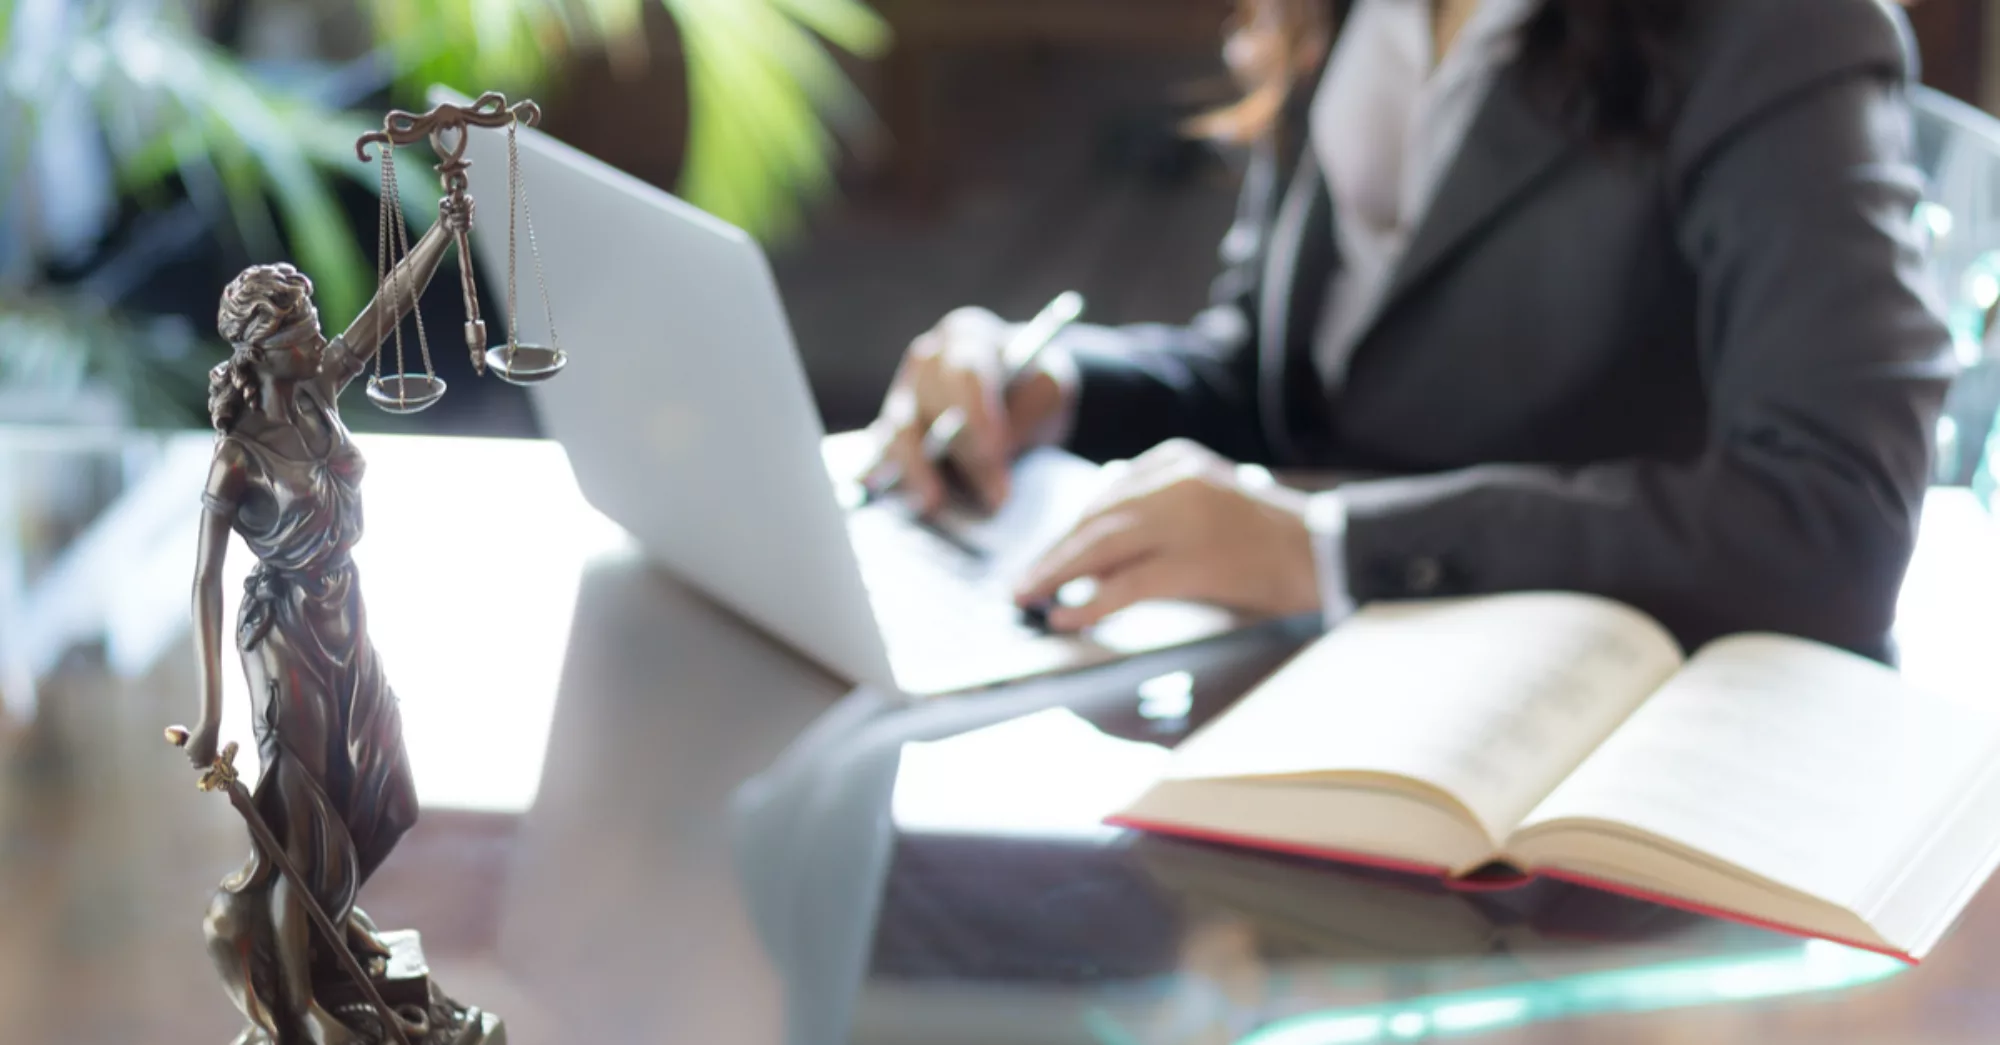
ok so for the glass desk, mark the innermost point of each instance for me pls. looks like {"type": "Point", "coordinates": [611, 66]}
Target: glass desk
{"type": "Point", "coordinates": [646, 822]}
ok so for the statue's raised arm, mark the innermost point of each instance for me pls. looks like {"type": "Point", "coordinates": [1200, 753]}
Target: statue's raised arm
{"type": "Point", "coordinates": [348, 355]}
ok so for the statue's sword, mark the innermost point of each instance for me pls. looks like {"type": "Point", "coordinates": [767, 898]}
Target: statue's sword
{"type": "Point", "coordinates": [222, 777]}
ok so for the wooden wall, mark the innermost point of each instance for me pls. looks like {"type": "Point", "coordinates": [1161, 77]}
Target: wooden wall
{"type": "Point", "coordinates": [1953, 36]}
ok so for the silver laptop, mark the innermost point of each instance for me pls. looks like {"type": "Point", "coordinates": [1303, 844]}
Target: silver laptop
{"type": "Point", "coordinates": [687, 419]}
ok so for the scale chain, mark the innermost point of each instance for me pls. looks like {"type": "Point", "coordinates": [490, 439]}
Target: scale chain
{"type": "Point", "coordinates": [513, 201]}
{"type": "Point", "coordinates": [534, 249]}
{"type": "Point", "coordinates": [405, 290]}
{"type": "Point", "coordinates": [383, 250]}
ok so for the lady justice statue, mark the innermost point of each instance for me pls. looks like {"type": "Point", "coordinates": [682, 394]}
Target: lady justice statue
{"type": "Point", "coordinates": [301, 961]}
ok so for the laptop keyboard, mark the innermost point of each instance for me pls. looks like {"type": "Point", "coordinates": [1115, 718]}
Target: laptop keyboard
{"type": "Point", "coordinates": [950, 553]}
{"type": "Point", "coordinates": [925, 582]}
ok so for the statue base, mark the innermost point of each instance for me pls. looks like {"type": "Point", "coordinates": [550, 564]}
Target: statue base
{"type": "Point", "coordinates": [404, 981]}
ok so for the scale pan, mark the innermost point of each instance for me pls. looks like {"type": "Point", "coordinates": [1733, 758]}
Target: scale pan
{"type": "Point", "coordinates": [405, 393]}
{"type": "Point", "coordinates": [525, 364]}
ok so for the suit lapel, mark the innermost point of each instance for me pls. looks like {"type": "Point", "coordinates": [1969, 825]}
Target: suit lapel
{"type": "Point", "coordinates": [1299, 259]}
{"type": "Point", "coordinates": [1510, 146]}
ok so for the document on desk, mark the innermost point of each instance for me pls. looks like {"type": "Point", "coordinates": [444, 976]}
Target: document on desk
{"type": "Point", "coordinates": [1050, 491]}
{"type": "Point", "coordinates": [1767, 779]}
{"type": "Point", "coordinates": [972, 783]}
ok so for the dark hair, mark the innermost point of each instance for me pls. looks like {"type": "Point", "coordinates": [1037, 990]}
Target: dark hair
{"type": "Point", "coordinates": [264, 304]}
{"type": "Point", "coordinates": [1608, 63]}
{"type": "Point", "coordinates": [1605, 62]}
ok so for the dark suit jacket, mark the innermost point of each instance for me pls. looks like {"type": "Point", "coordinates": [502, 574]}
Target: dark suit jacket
{"type": "Point", "coordinates": [1702, 379]}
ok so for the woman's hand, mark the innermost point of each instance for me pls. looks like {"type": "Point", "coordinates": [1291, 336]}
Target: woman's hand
{"type": "Point", "coordinates": [1181, 523]}
{"type": "Point", "coordinates": [957, 364]}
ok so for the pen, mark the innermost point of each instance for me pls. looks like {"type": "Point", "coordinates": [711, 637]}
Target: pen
{"type": "Point", "coordinates": [1017, 359]}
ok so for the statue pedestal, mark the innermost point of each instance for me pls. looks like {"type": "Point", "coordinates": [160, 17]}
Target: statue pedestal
{"type": "Point", "coordinates": [405, 983]}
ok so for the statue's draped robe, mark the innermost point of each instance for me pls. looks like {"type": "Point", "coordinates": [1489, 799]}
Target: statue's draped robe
{"type": "Point", "coordinates": [335, 786]}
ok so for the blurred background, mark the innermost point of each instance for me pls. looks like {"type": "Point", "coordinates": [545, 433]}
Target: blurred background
{"type": "Point", "coordinates": [897, 157]}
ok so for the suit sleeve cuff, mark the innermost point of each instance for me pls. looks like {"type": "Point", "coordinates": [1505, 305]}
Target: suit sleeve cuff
{"type": "Point", "coordinates": [1326, 520]}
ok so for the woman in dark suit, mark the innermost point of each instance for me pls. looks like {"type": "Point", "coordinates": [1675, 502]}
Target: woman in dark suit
{"type": "Point", "coordinates": [1610, 296]}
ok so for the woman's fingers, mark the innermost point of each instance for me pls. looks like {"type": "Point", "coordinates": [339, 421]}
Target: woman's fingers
{"type": "Point", "coordinates": [1098, 546]}
{"type": "Point", "coordinates": [951, 372]}
{"type": "Point", "coordinates": [1134, 581]}
{"type": "Point", "coordinates": [915, 473]}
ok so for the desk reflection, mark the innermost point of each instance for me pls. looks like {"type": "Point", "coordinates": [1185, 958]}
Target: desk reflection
{"type": "Point", "coordinates": [987, 932]}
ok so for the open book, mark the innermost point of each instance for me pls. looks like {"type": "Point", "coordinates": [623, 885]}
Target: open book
{"type": "Point", "coordinates": [1768, 779]}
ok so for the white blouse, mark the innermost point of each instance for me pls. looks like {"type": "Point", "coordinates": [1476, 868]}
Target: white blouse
{"type": "Point", "coordinates": [1386, 125]}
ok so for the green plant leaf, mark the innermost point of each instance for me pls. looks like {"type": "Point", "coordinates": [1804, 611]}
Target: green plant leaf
{"type": "Point", "coordinates": [763, 86]}
{"type": "Point", "coordinates": [57, 345]}
{"type": "Point", "coordinates": [257, 150]}
{"type": "Point", "coordinates": [150, 164]}
{"type": "Point", "coordinates": [850, 25]}
{"type": "Point", "coordinates": [759, 84]}
{"type": "Point", "coordinates": [243, 189]}
{"type": "Point", "coordinates": [471, 45]}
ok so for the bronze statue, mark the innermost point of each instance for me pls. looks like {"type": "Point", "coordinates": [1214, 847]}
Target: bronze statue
{"type": "Point", "coordinates": [301, 961]}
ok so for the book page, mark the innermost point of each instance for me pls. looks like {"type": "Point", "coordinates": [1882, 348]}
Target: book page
{"type": "Point", "coordinates": [1492, 700]}
{"type": "Point", "coordinates": [1803, 765]}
